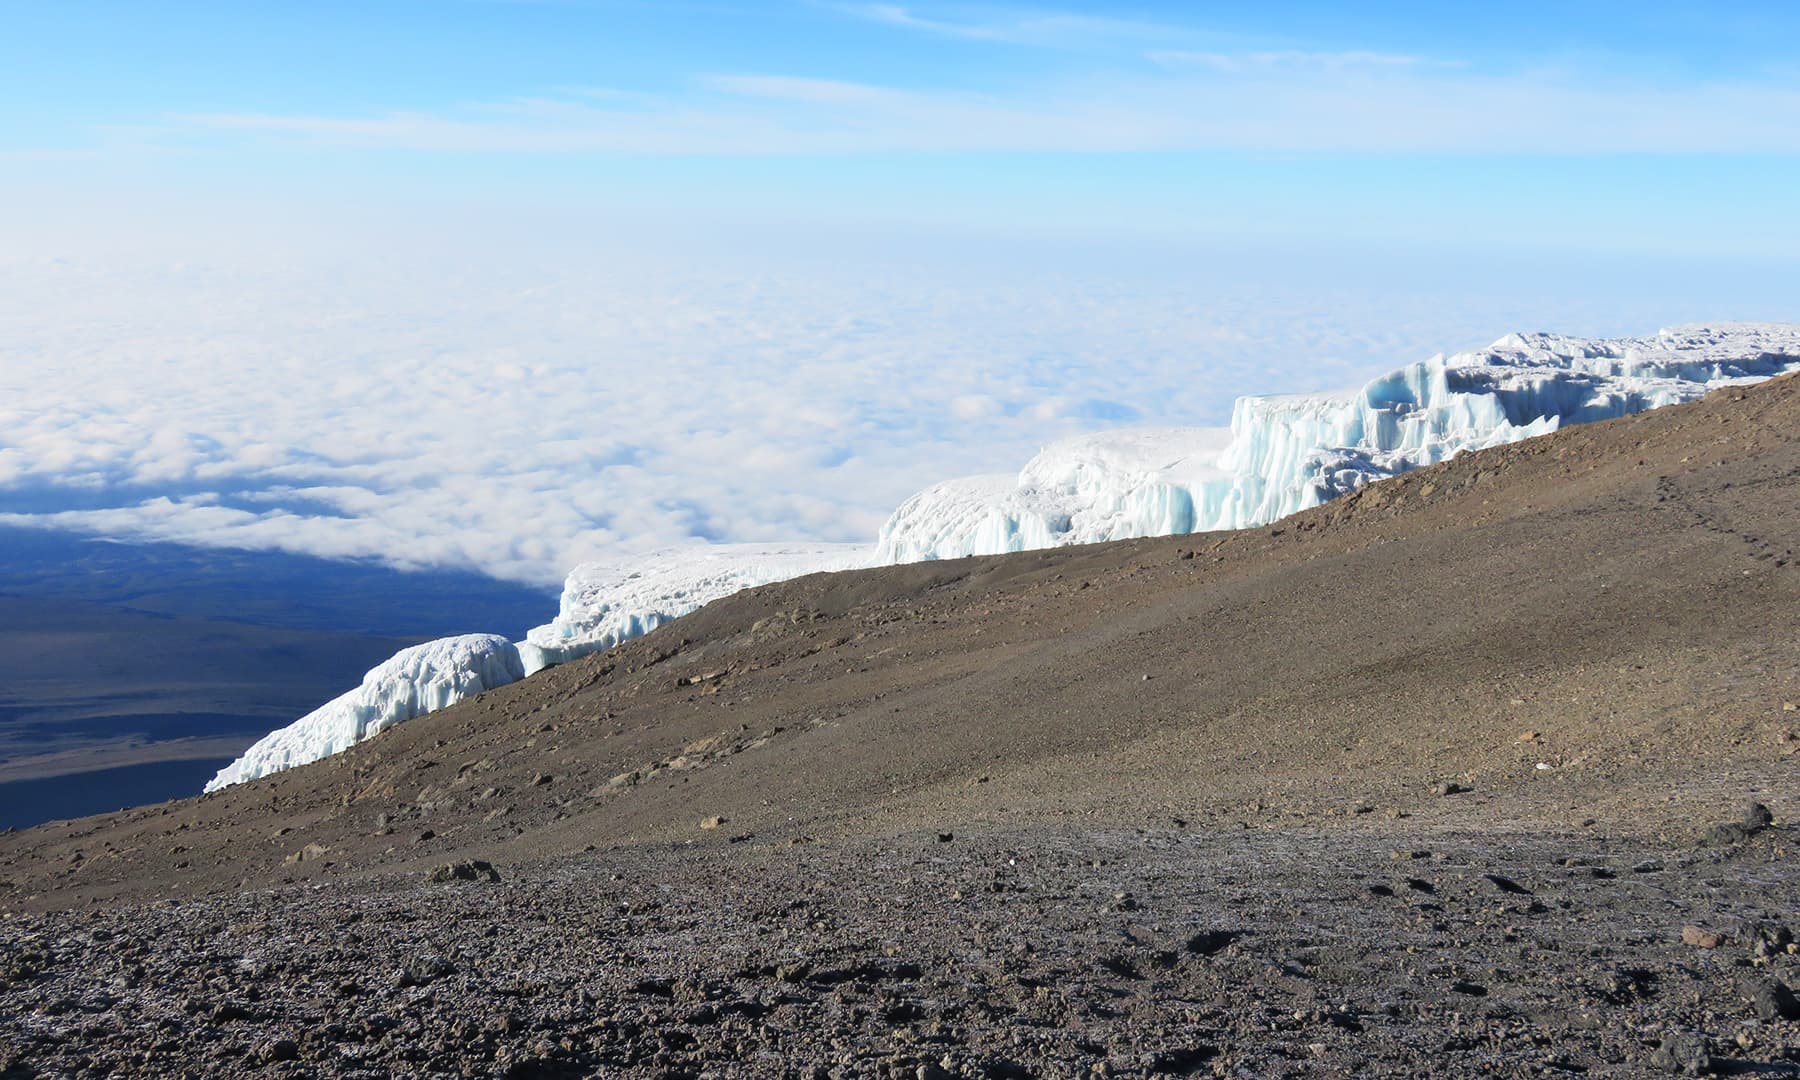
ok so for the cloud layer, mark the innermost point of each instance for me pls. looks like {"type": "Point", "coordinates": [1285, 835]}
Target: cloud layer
{"type": "Point", "coordinates": [519, 407]}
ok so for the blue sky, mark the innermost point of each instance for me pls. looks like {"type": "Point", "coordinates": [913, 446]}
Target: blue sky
{"type": "Point", "coordinates": [1629, 127]}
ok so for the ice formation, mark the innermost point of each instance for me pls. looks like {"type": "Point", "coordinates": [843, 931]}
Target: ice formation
{"type": "Point", "coordinates": [1281, 455]}
{"type": "Point", "coordinates": [410, 683]}
{"type": "Point", "coordinates": [605, 603]}
{"type": "Point", "coordinates": [1284, 454]}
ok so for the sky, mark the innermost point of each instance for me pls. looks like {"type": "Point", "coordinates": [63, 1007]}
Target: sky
{"type": "Point", "coordinates": [510, 284]}
{"type": "Point", "coordinates": [1526, 123]}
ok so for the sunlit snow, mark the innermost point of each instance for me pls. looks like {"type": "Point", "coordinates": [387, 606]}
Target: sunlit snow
{"type": "Point", "coordinates": [1281, 454]}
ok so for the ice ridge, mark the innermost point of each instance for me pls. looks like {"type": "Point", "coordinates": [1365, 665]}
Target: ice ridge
{"type": "Point", "coordinates": [1281, 454]}
{"type": "Point", "coordinates": [1284, 454]}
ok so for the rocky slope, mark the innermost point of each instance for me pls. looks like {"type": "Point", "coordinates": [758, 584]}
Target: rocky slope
{"type": "Point", "coordinates": [1281, 454]}
{"type": "Point", "coordinates": [727, 834]}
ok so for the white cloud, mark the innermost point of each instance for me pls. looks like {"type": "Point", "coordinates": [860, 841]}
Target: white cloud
{"type": "Point", "coordinates": [1017, 27]}
{"type": "Point", "coordinates": [522, 405]}
{"type": "Point", "coordinates": [1292, 60]}
{"type": "Point", "coordinates": [974, 406]}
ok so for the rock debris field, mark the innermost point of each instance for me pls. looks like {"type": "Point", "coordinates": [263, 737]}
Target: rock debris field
{"type": "Point", "coordinates": [1152, 952]}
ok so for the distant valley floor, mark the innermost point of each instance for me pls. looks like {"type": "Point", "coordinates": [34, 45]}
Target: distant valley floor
{"type": "Point", "coordinates": [129, 674]}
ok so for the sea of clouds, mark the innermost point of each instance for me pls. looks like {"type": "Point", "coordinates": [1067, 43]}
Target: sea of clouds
{"type": "Point", "coordinates": [520, 403]}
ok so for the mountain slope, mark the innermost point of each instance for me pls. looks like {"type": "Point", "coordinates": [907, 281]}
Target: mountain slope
{"type": "Point", "coordinates": [1281, 454]}
{"type": "Point", "coordinates": [1624, 590]}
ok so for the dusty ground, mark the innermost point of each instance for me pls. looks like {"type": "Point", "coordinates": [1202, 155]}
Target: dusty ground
{"type": "Point", "coordinates": [1597, 633]}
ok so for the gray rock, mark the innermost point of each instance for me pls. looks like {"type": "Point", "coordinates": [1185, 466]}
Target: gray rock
{"type": "Point", "coordinates": [425, 970]}
{"type": "Point", "coordinates": [1772, 999]}
{"type": "Point", "coordinates": [467, 870]}
{"type": "Point", "coordinates": [1683, 1052]}
{"type": "Point", "coordinates": [279, 1050]}
{"type": "Point", "coordinates": [1757, 817]}
{"type": "Point", "coordinates": [1725, 834]}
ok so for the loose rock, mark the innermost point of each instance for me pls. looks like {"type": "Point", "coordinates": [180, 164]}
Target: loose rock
{"type": "Point", "coordinates": [1702, 938]}
{"type": "Point", "coordinates": [468, 870]}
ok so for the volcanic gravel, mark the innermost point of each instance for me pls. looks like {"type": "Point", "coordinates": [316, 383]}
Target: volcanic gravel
{"type": "Point", "coordinates": [1378, 950]}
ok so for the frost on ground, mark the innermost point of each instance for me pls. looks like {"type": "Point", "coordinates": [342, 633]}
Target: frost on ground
{"type": "Point", "coordinates": [1282, 454]}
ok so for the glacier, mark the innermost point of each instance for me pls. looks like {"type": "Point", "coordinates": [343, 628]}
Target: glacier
{"type": "Point", "coordinates": [1281, 454]}
{"type": "Point", "coordinates": [412, 682]}
{"type": "Point", "coordinates": [1287, 453]}
{"type": "Point", "coordinates": [605, 603]}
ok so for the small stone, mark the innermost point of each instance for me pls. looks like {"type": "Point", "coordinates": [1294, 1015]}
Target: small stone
{"type": "Point", "coordinates": [1208, 942]}
{"type": "Point", "coordinates": [306, 854]}
{"type": "Point", "coordinates": [1529, 736]}
{"type": "Point", "coordinates": [425, 970]}
{"type": "Point", "coordinates": [1702, 938]}
{"type": "Point", "coordinates": [540, 779]}
{"type": "Point", "coordinates": [1447, 788]}
{"type": "Point", "coordinates": [945, 838]}
{"type": "Point", "coordinates": [279, 1050]}
{"type": "Point", "coordinates": [712, 822]}
{"type": "Point", "coordinates": [1725, 834]}
{"type": "Point", "coordinates": [1507, 885]}
{"type": "Point", "coordinates": [426, 835]}
{"type": "Point", "coordinates": [1757, 816]}
{"type": "Point", "coordinates": [1772, 1000]}
{"type": "Point", "coordinates": [1790, 706]}
{"type": "Point", "coordinates": [467, 870]}
{"type": "Point", "coordinates": [1683, 1052]}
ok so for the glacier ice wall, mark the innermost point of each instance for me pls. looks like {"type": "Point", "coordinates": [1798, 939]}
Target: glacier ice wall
{"type": "Point", "coordinates": [1281, 454]}
{"type": "Point", "coordinates": [410, 683]}
{"type": "Point", "coordinates": [606, 603]}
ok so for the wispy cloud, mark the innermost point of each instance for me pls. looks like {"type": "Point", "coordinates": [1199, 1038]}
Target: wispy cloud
{"type": "Point", "coordinates": [1290, 60]}
{"type": "Point", "coordinates": [1016, 27]}
{"type": "Point", "coordinates": [1258, 101]}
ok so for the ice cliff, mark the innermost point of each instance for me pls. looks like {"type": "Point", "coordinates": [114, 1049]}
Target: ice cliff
{"type": "Point", "coordinates": [1281, 454]}
{"type": "Point", "coordinates": [604, 604]}
{"type": "Point", "coordinates": [410, 683]}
